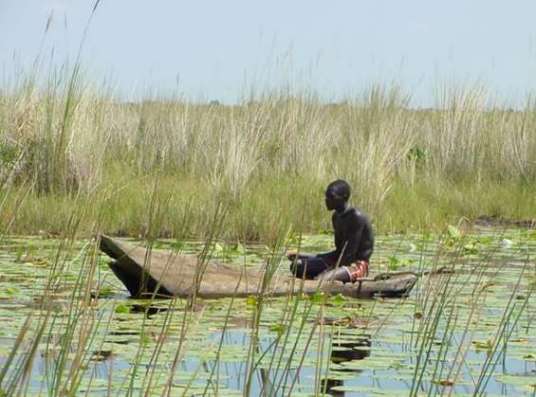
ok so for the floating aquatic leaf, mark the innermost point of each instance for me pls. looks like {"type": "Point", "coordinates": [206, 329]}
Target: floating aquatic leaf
{"type": "Point", "coordinates": [218, 248]}
{"type": "Point", "coordinates": [122, 309]}
{"type": "Point", "coordinates": [251, 300]}
{"type": "Point", "coordinates": [453, 232]}
{"type": "Point", "coordinates": [471, 248]}
{"type": "Point", "coordinates": [338, 300]}
{"type": "Point", "coordinates": [278, 328]}
{"type": "Point", "coordinates": [318, 298]}
{"type": "Point", "coordinates": [239, 249]}
{"type": "Point", "coordinates": [517, 380]}
{"type": "Point", "coordinates": [412, 247]}
{"type": "Point", "coordinates": [367, 390]}
{"type": "Point", "coordinates": [393, 263]}
{"type": "Point", "coordinates": [444, 382]}
{"type": "Point", "coordinates": [10, 291]}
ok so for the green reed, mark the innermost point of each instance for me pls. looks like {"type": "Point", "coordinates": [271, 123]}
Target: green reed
{"type": "Point", "coordinates": [410, 169]}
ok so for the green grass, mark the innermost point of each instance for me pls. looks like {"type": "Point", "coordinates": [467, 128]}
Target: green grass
{"type": "Point", "coordinates": [269, 157]}
{"type": "Point", "coordinates": [186, 206]}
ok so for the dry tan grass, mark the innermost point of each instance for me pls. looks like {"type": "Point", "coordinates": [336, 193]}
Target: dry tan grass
{"type": "Point", "coordinates": [67, 139]}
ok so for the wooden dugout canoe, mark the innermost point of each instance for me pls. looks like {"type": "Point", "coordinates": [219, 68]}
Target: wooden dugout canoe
{"type": "Point", "coordinates": [146, 273]}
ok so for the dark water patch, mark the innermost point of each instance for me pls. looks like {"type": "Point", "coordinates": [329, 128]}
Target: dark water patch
{"type": "Point", "coordinates": [494, 222]}
{"type": "Point", "coordinates": [148, 310]}
{"type": "Point", "coordinates": [101, 355]}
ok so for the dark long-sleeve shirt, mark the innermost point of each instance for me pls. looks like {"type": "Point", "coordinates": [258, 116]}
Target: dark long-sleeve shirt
{"type": "Point", "coordinates": [354, 238]}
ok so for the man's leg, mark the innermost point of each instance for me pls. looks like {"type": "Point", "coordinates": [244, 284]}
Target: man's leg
{"type": "Point", "coordinates": [340, 273]}
{"type": "Point", "coordinates": [347, 273]}
{"type": "Point", "coordinates": [308, 267]}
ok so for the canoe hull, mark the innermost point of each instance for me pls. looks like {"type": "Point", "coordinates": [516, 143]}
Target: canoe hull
{"type": "Point", "coordinates": [147, 273]}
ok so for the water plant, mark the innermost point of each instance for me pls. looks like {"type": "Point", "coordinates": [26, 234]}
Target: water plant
{"type": "Point", "coordinates": [461, 330]}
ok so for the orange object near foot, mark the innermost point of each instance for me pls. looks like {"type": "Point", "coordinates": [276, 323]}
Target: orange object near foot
{"type": "Point", "coordinates": [358, 270]}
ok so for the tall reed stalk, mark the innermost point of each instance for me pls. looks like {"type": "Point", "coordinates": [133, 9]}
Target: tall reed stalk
{"type": "Point", "coordinates": [409, 168]}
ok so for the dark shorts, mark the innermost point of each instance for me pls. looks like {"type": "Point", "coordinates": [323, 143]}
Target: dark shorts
{"type": "Point", "coordinates": [308, 267]}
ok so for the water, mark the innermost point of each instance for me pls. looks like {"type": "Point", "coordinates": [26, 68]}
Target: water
{"type": "Point", "coordinates": [338, 346]}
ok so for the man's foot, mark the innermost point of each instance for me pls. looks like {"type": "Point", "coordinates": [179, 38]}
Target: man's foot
{"type": "Point", "coordinates": [358, 270]}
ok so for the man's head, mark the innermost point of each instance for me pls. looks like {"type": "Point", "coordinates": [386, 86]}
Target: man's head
{"type": "Point", "coordinates": [337, 194]}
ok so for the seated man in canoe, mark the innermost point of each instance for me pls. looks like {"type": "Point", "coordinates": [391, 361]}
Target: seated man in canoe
{"type": "Point", "coordinates": [354, 242]}
{"type": "Point", "coordinates": [148, 273]}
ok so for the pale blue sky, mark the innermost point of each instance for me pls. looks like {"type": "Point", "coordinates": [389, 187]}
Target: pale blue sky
{"type": "Point", "coordinates": [214, 49]}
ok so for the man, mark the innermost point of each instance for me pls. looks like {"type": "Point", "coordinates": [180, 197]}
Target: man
{"type": "Point", "coordinates": [354, 242]}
